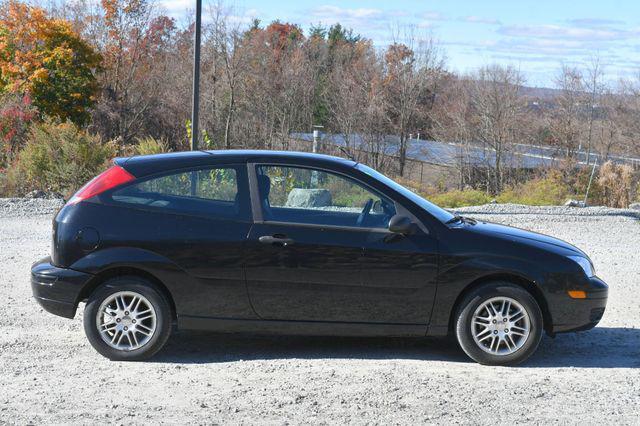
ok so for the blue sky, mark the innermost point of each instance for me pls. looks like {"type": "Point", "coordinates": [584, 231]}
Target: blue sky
{"type": "Point", "coordinates": [535, 36]}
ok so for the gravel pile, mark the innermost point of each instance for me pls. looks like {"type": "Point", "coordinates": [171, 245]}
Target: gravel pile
{"type": "Point", "coordinates": [513, 209]}
{"type": "Point", "coordinates": [50, 374]}
{"type": "Point", "coordinates": [28, 207]}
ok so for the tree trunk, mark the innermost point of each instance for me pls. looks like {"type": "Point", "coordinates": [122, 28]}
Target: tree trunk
{"type": "Point", "coordinates": [227, 127]}
{"type": "Point", "coordinates": [402, 154]}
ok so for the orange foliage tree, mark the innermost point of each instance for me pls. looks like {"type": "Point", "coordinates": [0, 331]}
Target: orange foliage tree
{"type": "Point", "coordinates": [46, 59]}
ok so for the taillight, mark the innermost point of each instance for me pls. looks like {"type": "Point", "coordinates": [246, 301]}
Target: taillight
{"type": "Point", "coordinates": [106, 180]}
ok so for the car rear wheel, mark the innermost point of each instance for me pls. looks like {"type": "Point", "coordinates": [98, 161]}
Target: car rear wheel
{"type": "Point", "coordinates": [127, 319]}
{"type": "Point", "coordinates": [499, 324]}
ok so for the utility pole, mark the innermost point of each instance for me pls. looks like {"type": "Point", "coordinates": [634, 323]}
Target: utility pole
{"type": "Point", "coordinates": [196, 78]}
{"type": "Point", "coordinates": [195, 107]}
{"type": "Point", "coordinates": [316, 138]}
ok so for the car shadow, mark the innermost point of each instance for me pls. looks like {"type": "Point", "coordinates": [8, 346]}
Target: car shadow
{"type": "Point", "coordinates": [602, 347]}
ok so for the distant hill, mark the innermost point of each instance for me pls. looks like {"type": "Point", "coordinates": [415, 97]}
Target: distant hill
{"type": "Point", "coordinates": [543, 93]}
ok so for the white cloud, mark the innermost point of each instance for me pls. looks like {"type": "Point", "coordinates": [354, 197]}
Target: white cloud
{"type": "Point", "coordinates": [564, 32]}
{"type": "Point", "coordinates": [595, 22]}
{"type": "Point", "coordinates": [433, 16]}
{"type": "Point", "coordinates": [339, 13]}
{"type": "Point", "coordinates": [369, 22]}
{"type": "Point", "coordinates": [426, 24]}
{"type": "Point", "coordinates": [178, 7]}
{"type": "Point", "coordinates": [480, 20]}
{"type": "Point", "coordinates": [245, 18]}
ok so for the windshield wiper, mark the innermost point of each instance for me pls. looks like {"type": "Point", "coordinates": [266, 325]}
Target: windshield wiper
{"type": "Point", "coordinates": [458, 218]}
{"type": "Point", "coordinates": [454, 219]}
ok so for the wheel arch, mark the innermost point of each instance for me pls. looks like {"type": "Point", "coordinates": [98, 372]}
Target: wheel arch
{"type": "Point", "coordinates": [120, 271]}
{"type": "Point", "coordinates": [518, 280]}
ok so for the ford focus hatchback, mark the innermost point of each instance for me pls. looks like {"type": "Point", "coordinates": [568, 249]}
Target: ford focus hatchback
{"type": "Point", "coordinates": [295, 243]}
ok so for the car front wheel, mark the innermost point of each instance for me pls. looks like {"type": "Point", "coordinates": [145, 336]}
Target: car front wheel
{"type": "Point", "coordinates": [127, 319]}
{"type": "Point", "coordinates": [499, 324]}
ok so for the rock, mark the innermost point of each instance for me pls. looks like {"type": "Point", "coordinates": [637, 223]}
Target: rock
{"type": "Point", "coordinates": [634, 206]}
{"type": "Point", "coordinates": [55, 196]}
{"type": "Point", "coordinates": [36, 193]}
{"type": "Point", "coordinates": [494, 201]}
{"type": "Point", "coordinates": [302, 197]}
{"type": "Point", "coordinates": [574, 203]}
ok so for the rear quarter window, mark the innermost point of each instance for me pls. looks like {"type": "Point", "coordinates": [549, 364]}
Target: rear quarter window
{"type": "Point", "coordinates": [212, 192]}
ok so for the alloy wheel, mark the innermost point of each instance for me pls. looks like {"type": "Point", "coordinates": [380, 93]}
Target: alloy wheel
{"type": "Point", "coordinates": [126, 320]}
{"type": "Point", "coordinates": [500, 326]}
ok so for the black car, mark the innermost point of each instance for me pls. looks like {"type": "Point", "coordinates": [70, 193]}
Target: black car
{"type": "Point", "coordinates": [296, 243]}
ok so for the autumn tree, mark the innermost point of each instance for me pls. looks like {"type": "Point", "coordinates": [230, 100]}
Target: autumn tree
{"type": "Point", "coordinates": [595, 89]}
{"type": "Point", "coordinates": [628, 114]}
{"type": "Point", "coordinates": [413, 70]}
{"type": "Point", "coordinates": [565, 118]}
{"type": "Point", "coordinates": [609, 131]}
{"type": "Point", "coordinates": [228, 59]}
{"type": "Point", "coordinates": [330, 50]}
{"type": "Point", "coordinates": [145, 63]}
{"type": "Point", "coordinates": [451, 122]}
{"type": "Point", "coordinates": [350, 81]}
{"type": "Point", "coordinates": [47, 60]}
{"type": "Point", "coordinates": [278, 89]}
{"type": "Point", "coordinates": [498, 110]}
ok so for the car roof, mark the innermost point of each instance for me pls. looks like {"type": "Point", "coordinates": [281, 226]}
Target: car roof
{"type": "Point", "coordinates": [157, 163]}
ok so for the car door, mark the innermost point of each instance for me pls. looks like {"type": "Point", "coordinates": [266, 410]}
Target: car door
{"type": "Point", "coordinates": [304, 258]}
{"type": "Point", "coordinates": [399, 275]}
{"type": "Point", "coordinates": [198, 219]}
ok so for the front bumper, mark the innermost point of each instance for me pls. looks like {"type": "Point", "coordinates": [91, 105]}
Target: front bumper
{"type": "Point", "coordinates": [57, 290]}
{"type": "Point", "coordinates": [582, 314]}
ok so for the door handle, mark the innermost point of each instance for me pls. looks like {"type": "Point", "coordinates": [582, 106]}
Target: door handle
{"type": "Point", "coordinates": [275, 240]}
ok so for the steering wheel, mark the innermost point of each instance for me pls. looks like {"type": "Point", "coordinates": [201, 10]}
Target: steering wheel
{"type": "Point", "coordinates": [365, 212]}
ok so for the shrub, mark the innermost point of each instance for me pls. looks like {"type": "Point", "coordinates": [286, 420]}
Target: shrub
{"type": "Point", "coordinates": [460, 198]}
{"type": "Point", "coordinates": [547, 191]}
{"type": "Point", "coordinates": [60, 158]}
{"type": "Point", "coordinates": [415, 186]}
{"type": "Point", "coordinates": [150, 145]}
{"type": "Point", "coordinates": [449, 199]}
{"type": "Point", "coordinates": [4, 185]}
{"type": "Point", "coordinates": [579, 181]}
{"type": "Point", "coordinates": [616, 184]}
{"type": "Point", "coordinates": [16, 114]}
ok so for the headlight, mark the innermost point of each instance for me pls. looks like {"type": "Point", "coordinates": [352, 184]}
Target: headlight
{"type": "Point", "coordinates": [585, 264]}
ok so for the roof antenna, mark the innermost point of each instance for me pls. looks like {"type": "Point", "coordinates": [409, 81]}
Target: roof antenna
{"type": "Point", "coordinates": [349, 156]}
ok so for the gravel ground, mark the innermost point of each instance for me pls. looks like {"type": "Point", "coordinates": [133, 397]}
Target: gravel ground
{"type": "Point", "coordinates": [50, 374]}
{"type": "Point", "coordinates": [28, 207]}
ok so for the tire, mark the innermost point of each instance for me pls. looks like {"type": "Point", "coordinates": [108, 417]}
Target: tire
{"type": "Point", "coordinates": [501, 348]}
{"type": "Point", "coordinates": [113, 307]}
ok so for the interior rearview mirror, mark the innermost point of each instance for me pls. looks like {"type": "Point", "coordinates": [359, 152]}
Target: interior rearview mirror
{"type": "Point", "coordinates": [401, 225]}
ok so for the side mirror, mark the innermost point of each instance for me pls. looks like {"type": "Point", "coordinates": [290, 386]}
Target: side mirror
{"type": "Point", "coordinates": [401, 225]}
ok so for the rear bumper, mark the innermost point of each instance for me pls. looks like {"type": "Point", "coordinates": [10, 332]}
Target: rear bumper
{"type": "Point", "coordinates": [57, 290]}
{"type": "Point", "coordinates": [582, 314]}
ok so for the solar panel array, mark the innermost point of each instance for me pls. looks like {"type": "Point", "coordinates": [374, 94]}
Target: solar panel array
{"type": "Point", "coordinates": [522, 156]}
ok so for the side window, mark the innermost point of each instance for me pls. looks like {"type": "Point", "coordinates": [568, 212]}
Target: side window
{"type": "Point", "coordinates": [304, 195]}
{"type": "Point", "coordinates": [213, 192]}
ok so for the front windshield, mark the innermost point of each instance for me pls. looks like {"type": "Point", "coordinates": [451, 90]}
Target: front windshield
{"type": "Point", "coordinates": [439, 213]}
